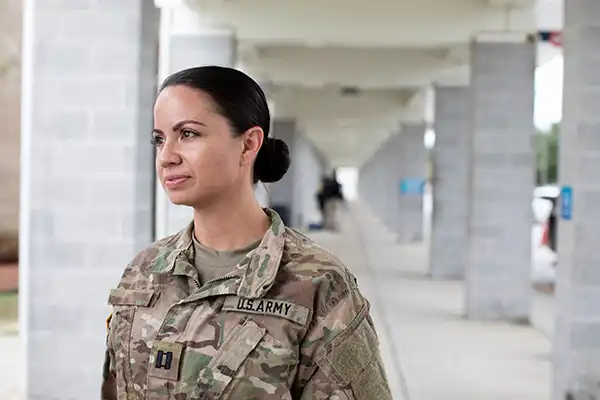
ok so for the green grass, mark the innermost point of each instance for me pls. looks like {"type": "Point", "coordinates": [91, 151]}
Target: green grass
{"type": "Point", "coordinates": [9, 306]}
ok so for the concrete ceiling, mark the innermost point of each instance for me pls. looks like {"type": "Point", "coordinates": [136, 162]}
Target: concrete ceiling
{"type": "Point", "coordinates": [313, 52]}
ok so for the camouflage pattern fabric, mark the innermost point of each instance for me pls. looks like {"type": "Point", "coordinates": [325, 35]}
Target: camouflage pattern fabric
{"type": "Point", "coordinates": [288, 323]}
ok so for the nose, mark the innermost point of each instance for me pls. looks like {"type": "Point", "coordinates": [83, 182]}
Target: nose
{"type": "Point", "coordinates": [168, 154]}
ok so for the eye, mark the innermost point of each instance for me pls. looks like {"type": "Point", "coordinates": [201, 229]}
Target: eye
{"type": "Point", "coordinates": [186, 133]}
{"type": "Point", "coordinates": [156, 140]}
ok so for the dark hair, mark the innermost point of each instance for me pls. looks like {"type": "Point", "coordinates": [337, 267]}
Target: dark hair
{"type": "Point", "coordinates": [243, 103]}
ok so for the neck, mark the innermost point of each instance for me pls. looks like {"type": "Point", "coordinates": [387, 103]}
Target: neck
{"type": "Point", "coordinates": [232, 222]}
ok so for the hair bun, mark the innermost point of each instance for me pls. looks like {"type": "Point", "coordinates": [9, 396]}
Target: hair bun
{"type": "Point", "coordinates": [272, 160]}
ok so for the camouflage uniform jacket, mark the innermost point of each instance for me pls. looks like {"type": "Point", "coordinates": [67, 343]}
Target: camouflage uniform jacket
{"type": "Point", "coordinates": [288, 323]}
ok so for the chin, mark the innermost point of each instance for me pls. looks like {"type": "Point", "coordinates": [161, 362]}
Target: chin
{"type": "Point", "coordinates": [180, 198]}
{"type": "Point", "coordinates": [192, 198]}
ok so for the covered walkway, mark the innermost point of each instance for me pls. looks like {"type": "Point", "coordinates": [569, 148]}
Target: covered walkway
{"type": "Point", "coordinates": [430, 349]}
{"type": "Point", "coordinates": [341, 94]}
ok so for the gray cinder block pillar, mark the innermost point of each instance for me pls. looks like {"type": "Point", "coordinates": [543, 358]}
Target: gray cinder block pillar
{"type": "Point", "coordinates": [502, 178]}
{"type": "Point", "coordinates": [388, 177]}
{"type": "Point", "coordinates": [90, 73]}
{"type": "Point", "coordinates": [283, 192]}
{"type": "Point", "coordinates": [412, 170]}
{"type": "Point", "coordinates": [577, 330]}
{"type": "Point", "coordinates": [379, 187]}
{"type": "Point", "coordinates": [450, 220]}
{"type": "Point", "coordinates": [306, 171]}
{"type": "Point", "coordinates": [295, 193]}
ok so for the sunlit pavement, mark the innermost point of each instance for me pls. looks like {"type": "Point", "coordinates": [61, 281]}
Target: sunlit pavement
{"type": "Point", "coordinates": [10, 366]}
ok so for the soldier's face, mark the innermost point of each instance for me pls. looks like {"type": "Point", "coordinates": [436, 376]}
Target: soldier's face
{"type": "Point", "coordinates": [198, 158]}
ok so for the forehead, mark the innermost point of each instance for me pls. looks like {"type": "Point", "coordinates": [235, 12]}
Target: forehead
{"type": "Point", "coordinates": [182, 100]}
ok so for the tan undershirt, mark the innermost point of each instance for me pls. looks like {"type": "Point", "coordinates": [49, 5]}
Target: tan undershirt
{"type": "Point", "coordinates": [212, 264]}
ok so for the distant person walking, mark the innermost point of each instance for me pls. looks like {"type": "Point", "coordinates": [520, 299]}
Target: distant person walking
{"type": "Point", "coordinates": [330, 197]}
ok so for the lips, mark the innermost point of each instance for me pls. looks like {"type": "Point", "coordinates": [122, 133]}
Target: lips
{"type": "Point", "coordinates": [175, 181]}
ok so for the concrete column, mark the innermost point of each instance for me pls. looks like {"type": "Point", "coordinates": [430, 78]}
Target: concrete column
{"type": "Point", "coordinates": [371, 184]}
{"type": "Point", "coordinates": [282, 192]}
{"type": "Point", "coordinates": [187, 42]}
{"type": "Point", "coordinates": [89, 81]}
{"type": "Point", "coordinates": [381, 178]}
{"type": "Point", "coordinates": [361, 187]}
{"type": "Point", "coordinates": [388, 177]}
{"type": "Point", "coordinates": [450, 220]}
{"type": "Point", "coordinates": [364, 183]}
{"type": "Point", "coordinates": [412, 167]}
{"type": "Point", "coordinates": [375, 191]}
{"type": "Point", "coordinates": [577, 331]}
{"type": "Point", "coordinates": [379, 183]}
{"type": "Point", "coordinates": [502, 178]}
{"type": "Point", "coordinates": [306, 171]}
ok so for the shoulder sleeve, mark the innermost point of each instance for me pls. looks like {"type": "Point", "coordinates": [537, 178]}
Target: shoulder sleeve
{"type": "Point", "coordinates": [340, 355]}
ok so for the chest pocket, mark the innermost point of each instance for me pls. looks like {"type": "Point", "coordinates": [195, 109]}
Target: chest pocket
{"type": "Point", "coordinates": [250, 363]}
{"type": "Point", "coordinates": [126, 303]}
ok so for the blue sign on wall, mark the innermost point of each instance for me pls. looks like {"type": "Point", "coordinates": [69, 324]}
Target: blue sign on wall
{"type": "Point", "coordinates": [566, 202]}
{"type": "Point", "coordinates": [412, 186]}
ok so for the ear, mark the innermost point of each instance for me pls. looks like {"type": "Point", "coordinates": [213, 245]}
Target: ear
{"type": "Point", "coordinates": [253, 140]}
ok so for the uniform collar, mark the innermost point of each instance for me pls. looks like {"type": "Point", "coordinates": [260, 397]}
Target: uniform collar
{"type": "Point", "coordinates": [256, 272]}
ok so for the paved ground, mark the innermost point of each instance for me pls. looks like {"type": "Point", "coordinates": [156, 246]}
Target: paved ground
{"type": "Point", "coordinates": [431, 352]}
{"type": "Point", "coordinates": [10, 385]}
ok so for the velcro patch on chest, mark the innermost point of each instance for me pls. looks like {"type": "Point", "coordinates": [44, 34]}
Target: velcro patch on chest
{"type": "Point", "coordinates": [278, 308]}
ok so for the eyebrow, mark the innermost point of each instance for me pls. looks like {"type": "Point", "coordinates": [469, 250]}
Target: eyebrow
{"type": "Point", "coordinates": [180, 124]}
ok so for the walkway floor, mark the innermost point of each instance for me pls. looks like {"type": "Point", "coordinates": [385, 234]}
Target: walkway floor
{"type": "Point", "coordinates": [430, 350]}
{"type": "Point", "coordinates": [10, 384]}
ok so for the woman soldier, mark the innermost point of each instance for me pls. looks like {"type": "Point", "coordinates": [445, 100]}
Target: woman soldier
{"type": "Point", "coordinates": [235, 306]}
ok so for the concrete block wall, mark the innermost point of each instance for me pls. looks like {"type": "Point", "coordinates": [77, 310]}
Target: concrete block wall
{"type": "Point", "coordinates": [365, 183]}
{"type": "Point", "coordinates": [282, 192]}
{"type": "Point", "coordinates": [368, 183]}
{"type": "Point", "coordinates": [501, 179]}
{"type": "Point", "coordinates": [387, 159]}
{"type": "Point", "coordinates": [87, 180]}
{"type": "Point", "coordinates": [379, 187]}
{"type": "Point", "coordinates": [307, 167]}
{"type": "Point", "coordinates": [577, 330]}
{"type": "Point", "coordinates": [389, 182]}
{"type": "Point", "coordinates": [451, 160]}
{"type": "Point", "coordinates": [367, 173]}
{"type": "Point", "coordinates": [413, 157]}
{"type": "Point", "coordinates": [297, 189]}
{"type": "Point", "coordinates": [401, 156]}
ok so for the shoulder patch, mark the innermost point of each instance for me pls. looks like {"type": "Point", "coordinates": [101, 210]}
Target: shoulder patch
{"type": "Point", "coordinates": [354, 360]}
{"type": "Point", "coordinates": [278, 308]}
{"type": "Point", "coordinates": [346, 356]}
